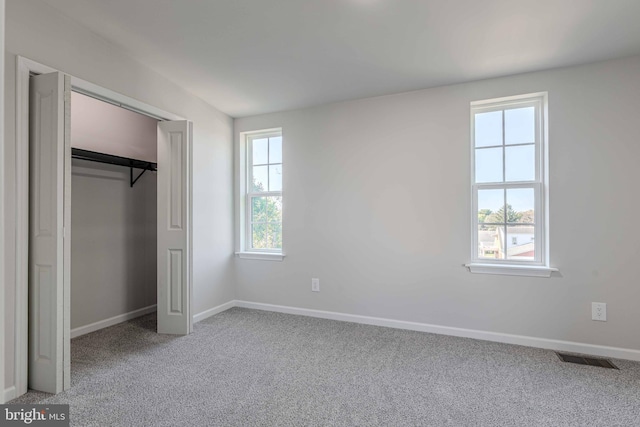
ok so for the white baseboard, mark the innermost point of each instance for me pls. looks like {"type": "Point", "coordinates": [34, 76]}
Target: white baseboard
{"type": "Point", "coordinates": [9, 393]}
{"type": "Point", "coordinates": [212, 311]}
{"type": "Point", "coordinates": [92, 327]}
{"type": "Point", "coordinates": [549, 344]}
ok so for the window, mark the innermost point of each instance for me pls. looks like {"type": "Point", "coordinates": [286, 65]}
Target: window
{"type": "Point", "coordinates": [508, 185]}
{"type": "Point", "coordinates": [261, 212]}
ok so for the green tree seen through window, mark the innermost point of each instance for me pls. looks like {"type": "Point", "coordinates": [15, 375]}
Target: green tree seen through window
{"type": "Point", "coordinates": [266, 220]}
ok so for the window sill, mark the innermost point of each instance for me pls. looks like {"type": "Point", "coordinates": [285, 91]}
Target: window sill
{"type": "Point", "coordinates": [262, 256]}
{"type": "Point", "coordinates": [511, 270]}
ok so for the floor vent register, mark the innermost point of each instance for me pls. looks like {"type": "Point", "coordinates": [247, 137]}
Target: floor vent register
{"type": "Point", "coordinates": [583, 360]}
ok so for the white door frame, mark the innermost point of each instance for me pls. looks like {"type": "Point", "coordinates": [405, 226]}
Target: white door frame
{"type": "Point", "coordinates": [25, 67]}
{"type": "Point", "coordinates": [4, 394]}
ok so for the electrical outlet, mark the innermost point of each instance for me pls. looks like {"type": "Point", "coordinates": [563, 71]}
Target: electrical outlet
{"type": "Point", "coordinates": [315, 285]}
{"type": "Point", "coordinates": [599, 311]}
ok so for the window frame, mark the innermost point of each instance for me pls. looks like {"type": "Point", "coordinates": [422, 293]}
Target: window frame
{"type": "Point", "coordinates": [539, 266]}
{"type": "Point", "coordinates": [246, 193]}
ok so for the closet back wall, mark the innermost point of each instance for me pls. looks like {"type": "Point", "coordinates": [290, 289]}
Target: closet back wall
{"type": "Point", "coordinates": [113, 225]}
{"type": "Point", "coordinates": [106, 128]}
{"type": "Point", "coordinates": [113, 242]}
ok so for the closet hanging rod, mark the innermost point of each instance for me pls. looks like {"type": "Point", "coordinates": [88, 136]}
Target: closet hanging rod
{"type": "Point", "coordinates": [116, 103]}
{"type": "Point", "coordinates": [92, 156]}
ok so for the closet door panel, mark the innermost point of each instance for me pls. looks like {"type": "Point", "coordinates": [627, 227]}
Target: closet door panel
{"type": "Point", "coordinates": [48, 213]}
{"type": "Point", "coordinates": [174, 228]}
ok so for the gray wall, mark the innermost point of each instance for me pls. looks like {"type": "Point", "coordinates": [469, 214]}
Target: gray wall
{"type": "Point", "coordinates": [377, 199]}
{"type": "Point", "coordinates": [41, 33]}
{"type": "Point", "coordinates": [113, 242]}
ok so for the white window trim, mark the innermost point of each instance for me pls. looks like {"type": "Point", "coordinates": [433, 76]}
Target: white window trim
{"type": "Point", "coordinates": [242, 223]}
{"type": "Point", "coordinates": [539, 267]}
{"type": "Point", "coordinates": [261, 256]}
{"type": "Point", "coordinates": [511, 270]}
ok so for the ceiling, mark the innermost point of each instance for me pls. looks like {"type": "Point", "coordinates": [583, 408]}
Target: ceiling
{"type": "Point", "coordinates": [249, 57]}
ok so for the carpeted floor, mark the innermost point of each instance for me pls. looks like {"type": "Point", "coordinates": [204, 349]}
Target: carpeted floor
{"type": "Point", "coordinates": [254, 368]}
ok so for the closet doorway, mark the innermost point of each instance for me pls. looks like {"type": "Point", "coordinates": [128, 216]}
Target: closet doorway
{"type": "Point", "coordinates": [113, 214]}
{"type": "Point", "coordinates": [43, 312]}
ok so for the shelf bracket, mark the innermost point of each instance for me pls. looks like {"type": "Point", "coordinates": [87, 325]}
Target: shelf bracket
{"type": "Point", "coordinates": [133, 181]}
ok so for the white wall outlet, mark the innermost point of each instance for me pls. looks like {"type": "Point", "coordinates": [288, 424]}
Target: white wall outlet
{"type": "Point", "coordinates": [599, 311]}
{"type": "Point", "coordinates": [315, 285]}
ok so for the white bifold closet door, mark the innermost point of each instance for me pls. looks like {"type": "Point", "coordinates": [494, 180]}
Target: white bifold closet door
{"type": "Point", "coordinates": [174, 228]}
{"type": "Point", "coordinates": [50, 226]}
{"type": "Point", "coordinates": [49, 221]}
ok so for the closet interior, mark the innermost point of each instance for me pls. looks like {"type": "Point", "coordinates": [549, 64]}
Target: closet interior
{"type": "Point", "coordinates": [113, 214]}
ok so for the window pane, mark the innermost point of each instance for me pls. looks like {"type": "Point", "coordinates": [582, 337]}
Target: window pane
{"type": "Point", "coordinates": [489, 243]}
{"type": "Point", "coordinates": [275, 149]}
{"type": "Point", "coordinates": [488, 129]}
{"type": "Point", "coordinates": [260, 151]}
{"type": "Point", "coordinates": [274, 209]}
{"type": "Point", "coordinates": [275, 178]}
{"type": "Point", "coordinates": [259, 236]}
{"type": "Point", "coordinates": [490, 207]}
{"type": "Point", "coordinates": [489, 165]}
{"type": "Point", "coordinates": [260, 178]}
{"type": "Point", "coordinates": [520, 205]}
{"type": "Point", "coordinates": [520, 242]}
{"type": "Point", "coordinates": [520, 125]}
{"type": "Point", "coordinates": [275, 235]}
{"type": "Point", "coordinates": [258, 209]}
{"type": "Point", "coordinates": [521, 163]}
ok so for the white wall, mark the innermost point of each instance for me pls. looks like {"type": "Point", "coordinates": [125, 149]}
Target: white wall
{"type": "Point", "coordinates": [377, 199]}
{"type": "Point", "coordinates": [39, 32]}
{"type": "Point", "coordinates": [113, 242]}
